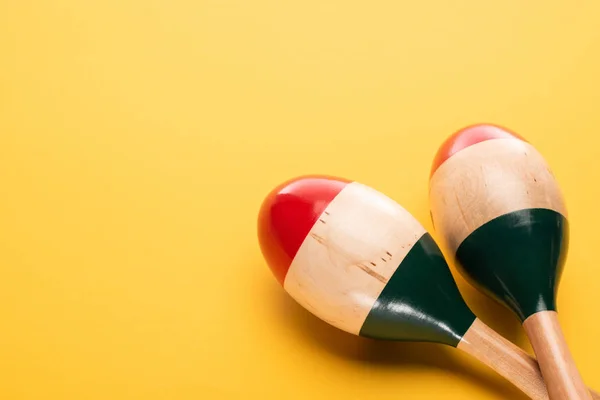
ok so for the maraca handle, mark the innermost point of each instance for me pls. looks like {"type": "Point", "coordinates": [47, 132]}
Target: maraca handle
{"type": "Point", "coordinates": [558, 368]}
{"type": "Point", "coordinates": [507, 359]}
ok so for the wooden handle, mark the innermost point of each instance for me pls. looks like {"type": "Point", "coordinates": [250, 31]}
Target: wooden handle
{"type": "Point", "coordinates": [507, 359]}
{"type": "Point", "coordinates": [556, 363]}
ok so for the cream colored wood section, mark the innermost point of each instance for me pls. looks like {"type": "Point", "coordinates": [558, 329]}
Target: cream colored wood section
{"type": "Point", "coordinates": [485, 181]}
{"type": "Point", "coordinates": [350, 254]}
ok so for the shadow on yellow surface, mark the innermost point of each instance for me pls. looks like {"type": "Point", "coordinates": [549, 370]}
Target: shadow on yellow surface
{"type": "Point", "coordinates": [392, 356]}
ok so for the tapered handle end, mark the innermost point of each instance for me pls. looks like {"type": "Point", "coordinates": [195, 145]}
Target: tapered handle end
{"type": "Point", "coordinates": [563, 380]}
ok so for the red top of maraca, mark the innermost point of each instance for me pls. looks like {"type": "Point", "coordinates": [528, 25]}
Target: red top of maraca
{"type": "Point", "coordinates": [467, 137]}
{"type": "Point", "coordinates": [287, 215]}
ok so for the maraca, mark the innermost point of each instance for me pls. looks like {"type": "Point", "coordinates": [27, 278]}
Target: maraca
{"type": "Point", "coordinates": [359, 261]}
{"type": "Point", "coordinates": [500, 212]}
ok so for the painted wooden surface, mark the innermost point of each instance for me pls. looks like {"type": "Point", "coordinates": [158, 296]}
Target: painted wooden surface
{"type": "Point", "coordinates": [467, 137]}
{"type": "Point", "coordinates": [421, 302]}
{"type": "Point", "coordinates": [487, 180]}
{"type": "Point", "coordinates": [563, 380]}
{"type": "Point", "coordinates": [349, 256]}
{"type": "Point", "coordinates": [517, 259]}
{"type": "Point", "coordinates": [365, 266]}
{"type": "Point", "coordinates": [500, 211]}
{"type": "Point", "coordinates": [287, 216]}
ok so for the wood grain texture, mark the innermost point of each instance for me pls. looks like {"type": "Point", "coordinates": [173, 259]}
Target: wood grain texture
{"type": "Point", "coordinates": [505, 358]}
{"type": "Point", "coordinates": [487, 180]}
{"type": "Point", "coordinates": [470, 136]}
{"type": "Point", "coordinates": [508, 360]}
{"type": "Point", "coordinates": [563, 380]}
{"type": "Point", "coordinates": [350, 254]}
{"type": "Point", "coordinates": [288, 213]}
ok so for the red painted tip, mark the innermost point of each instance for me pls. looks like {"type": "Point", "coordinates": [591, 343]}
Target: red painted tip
{"type": "Point", "coordinates": [287, 215]}
{"type": "Point", "coordinates": [468, 137]}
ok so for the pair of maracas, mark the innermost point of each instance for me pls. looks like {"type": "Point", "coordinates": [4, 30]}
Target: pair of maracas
{"type": "Point", "coordinates": [359, 261]}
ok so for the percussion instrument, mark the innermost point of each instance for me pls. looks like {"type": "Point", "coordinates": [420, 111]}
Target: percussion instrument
{"type": "Point", "coordinates": [360, 262]}
{"type": "Point", "coordinates": [500, 212]}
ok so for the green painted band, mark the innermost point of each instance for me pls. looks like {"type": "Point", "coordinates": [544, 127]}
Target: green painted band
{"type": "Point", "coordinates": [517, 259]}
{"type": "Point", "coordinates": [421, 301]}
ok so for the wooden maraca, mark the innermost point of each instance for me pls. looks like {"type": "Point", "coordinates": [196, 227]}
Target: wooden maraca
{"type": "Point", "coordinates": [500, 212]}
{"type": "Point", "coordinates": [359, 261]}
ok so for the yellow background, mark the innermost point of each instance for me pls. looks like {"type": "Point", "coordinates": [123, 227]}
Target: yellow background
{"type": "Point", "coordinates": [138, 138]}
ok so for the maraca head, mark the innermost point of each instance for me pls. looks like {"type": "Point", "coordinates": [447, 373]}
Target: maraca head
{"type": "Point", "coordinates": [500, 211]}
{"type": "Point", "coordinates": [359, 261]}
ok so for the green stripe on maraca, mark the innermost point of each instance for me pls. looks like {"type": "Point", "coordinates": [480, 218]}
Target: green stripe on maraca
{"type": "Point", "coordinates": [421, 301]}
{"type": "Point", "coordinates": [517, 259]}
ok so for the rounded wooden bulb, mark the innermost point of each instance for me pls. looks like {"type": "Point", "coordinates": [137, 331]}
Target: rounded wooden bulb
{"type": "Point", "coordinates": [361, 262]}
{"type": "Point", "coordinates": [499, 210]}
